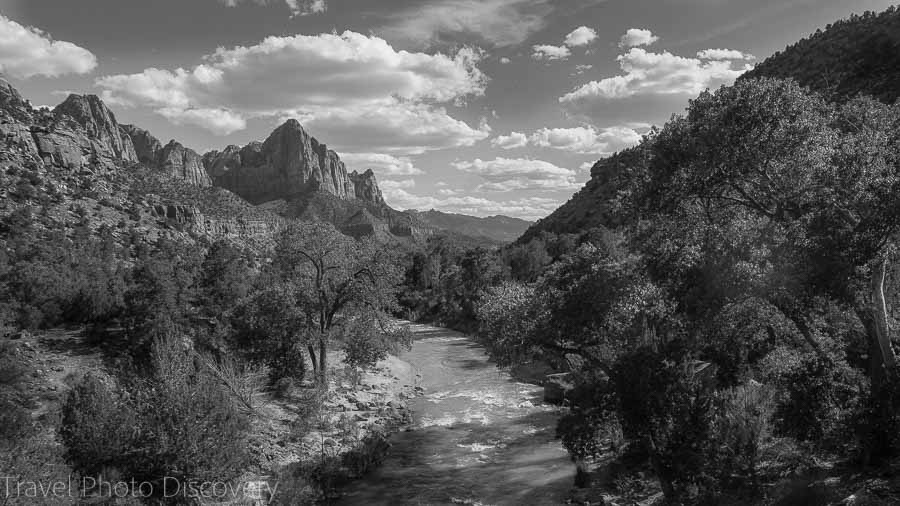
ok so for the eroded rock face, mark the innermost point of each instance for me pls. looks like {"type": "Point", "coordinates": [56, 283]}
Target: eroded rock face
{"type": "Point", "coordinates": [183, 163]}
{"type": "Point", "coordinates": [290, 162]}
{"type": "Point", "coordinates": [177, 161]}
{"type": "Point", "coordinates": [89, 112]}
{"type": "Point", "coordinates": [366, 188]}
{"type": "Point", "coordinates": [146, 146]}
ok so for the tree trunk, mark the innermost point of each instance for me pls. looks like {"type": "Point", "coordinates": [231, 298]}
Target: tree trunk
{"type": "Point", "coordinates": [322, 359]}
{"type": "Point", "coordinates": [882, 357]}
{"type": "Point", "coordinates": [312, 356]}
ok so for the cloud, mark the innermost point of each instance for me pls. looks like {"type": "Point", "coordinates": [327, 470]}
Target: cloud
{"type": "Point", "coordinates": [530, 208]}
{"type": "Point", "coordinates": [511, 141]}
{"type": "Point", "coordinates": [724, 54]}
{"type": "Point", "coordinates": [505, 60]}
{"type": "Point", "coordinates": [547, 52]}
{"type": "Point", "coordinates": [637, 37]}
{"type": "Point", "coordinates": [506, 174]}
{"type": "Point", "coordinates": [580, 36]}
{"type": "Point", "coordinates": [391, 185]}
{"type": "Point", "coordinates": [27, 52]}
{"type": "Point", "coordinates": [381, 164]}
{"type": "Point", "coordinates": [582, 140]}
{"type": "Point", "coordinates": [297, 7]}
{"type": "Point", "coordinates": [341, 83]}
{"type": "Point", "coordinates": [499, 23]}
{"type": "Point", "coordinates": [648, 73]}
{"type": "Point", "coordinates": [218, 121]}
{"type": "Point", "coordinates": [586, 140]}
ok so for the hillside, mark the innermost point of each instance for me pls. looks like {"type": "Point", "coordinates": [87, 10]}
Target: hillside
{"type": "Point", "coordinates": [859, 55]}
{"type": "Point", "coordinates": [501, 229]}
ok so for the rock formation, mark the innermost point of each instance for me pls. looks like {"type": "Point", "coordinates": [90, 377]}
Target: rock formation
{"type": "Point", "coordinates": [89, 112]}
{"type": "Point", "coordinates": [366, 188]}
{"type": "Point", "coordinates": [289, 163]}
{"type": "Point", "coordinates": [182, 163]}
{"type": "Point", "coordinates": [146, 146]}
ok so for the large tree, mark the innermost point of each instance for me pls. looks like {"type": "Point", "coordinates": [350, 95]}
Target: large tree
{"type": "Point", "coordinates": [334, 280]}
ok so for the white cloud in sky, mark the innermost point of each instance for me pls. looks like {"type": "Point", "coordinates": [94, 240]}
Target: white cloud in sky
{"type": "Point", "coordinates": [381, 164]}
{"type": "Point", "coordinates": [505, 60]}
{"type": "Point", "coordinates": [511, 141]}
{"type": "Point", "coordinates": [499, 23]}
{"type": "Point", "coordinates": [297, 7]}
{"type": "Point", "coordinates": [27, 52]}
{"type": "Point", "coordinates": [582, 140]}
{"type": "Point", "coordinates": [724, 54]}
{"type": "Point", "coordinates": [635, 37]}
{"type": "Point", "coordinates": [580, 36]}
{"type": "Point", "coordinates": [586, 140]}
{"type": "Point", "coordinates": [507, 174]}
{"type": "Point", "coordinates": [391, 185]}
{"type": "Point", "coordinates": [548, 52]}
{"type": "Point", "coordinates": [646, 73]}
{"type": "Point", "coordinates": [348, 83]}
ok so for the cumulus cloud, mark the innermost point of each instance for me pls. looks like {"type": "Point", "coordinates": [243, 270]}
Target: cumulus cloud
{"type": "Point", "coordinates": [511, 141]}
{"type": "Point", "coordinates": [345, 83]}
{"type": "Point", "coordinates": [724, 54]}
{"type": "Point", "coordinates": [382, 164]}
{"type": "Point", "coordinates": [547, 52]}
{"type": "Point", "coordinates": [27, 52]}
{"type": "Point", "coordinates": [500, 23]}
{"type": "Point", "coordinates": [507, 174]}
{"type": "Point", "coordinates": [586, 140]}
{"type": "Point", "coordinates": [635, 37]}
{"type": "Point", "coordinates": [390, 185]}
{"type": "Point", "coordinates": [505, 60]}
{"type": "Point", "coordinates": [297, 7]}
{"type": "Point", "coordinates": [580, 36]}
{"type": "Point", "coordinates": [663, 73]}
{"type": "Point", "coordinates": [529, 208]}
{"type": "Point", "coordinates": [582, 140]}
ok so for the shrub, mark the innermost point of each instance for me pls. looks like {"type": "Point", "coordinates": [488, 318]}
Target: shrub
{"type": "Point", "coordinates": [178, 422]}
{"type": "Point", "coordinates": [742, 433]}
{"type": "Point", "coordinates": [99, 426]}
{"type": "Point", "coordinates": [819, 397]}
{"type": "Point", "coordinates": [14, 417]}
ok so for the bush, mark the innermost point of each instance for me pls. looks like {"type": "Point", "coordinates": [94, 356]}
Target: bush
{"type": "Point", "coordinates": [15, 420]}
{"type": "Point", "coordinates": [819, 397]}
{"type": "Point", "coordinates": [742, 434]}
{"type": "Point", "coordinates": [179, 422]}
{"type": "Point", "coordinates": [99, 426]}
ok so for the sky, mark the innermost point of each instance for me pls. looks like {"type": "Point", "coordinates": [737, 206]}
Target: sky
{"type": "Point", "coordinates": [478, 107]}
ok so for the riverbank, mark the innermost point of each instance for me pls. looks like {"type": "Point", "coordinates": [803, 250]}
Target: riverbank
{"type": "Point", "coordinates": [308, 441]}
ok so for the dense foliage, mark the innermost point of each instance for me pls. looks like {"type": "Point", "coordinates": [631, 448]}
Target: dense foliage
{"type": "Point", "coordinates": [737, 300]}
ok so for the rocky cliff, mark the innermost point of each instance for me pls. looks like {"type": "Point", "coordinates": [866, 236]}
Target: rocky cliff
{"type": "Point", "coordinates": [366, 189]}
{"type": "Point", "coordinates": [289, 163]}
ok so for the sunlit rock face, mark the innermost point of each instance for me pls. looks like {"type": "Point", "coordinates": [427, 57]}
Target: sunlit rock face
{"type": "Point", "coordinates": [289, 162]}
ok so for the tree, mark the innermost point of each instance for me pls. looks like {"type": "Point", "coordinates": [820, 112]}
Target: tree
{"type": "Point", "coordinates": [334, 279]}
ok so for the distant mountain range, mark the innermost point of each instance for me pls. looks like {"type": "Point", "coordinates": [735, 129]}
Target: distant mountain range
{"type": "Point", "coordinates": [501, 229]}
{"type": "Point", "coordinates": [856, 56]}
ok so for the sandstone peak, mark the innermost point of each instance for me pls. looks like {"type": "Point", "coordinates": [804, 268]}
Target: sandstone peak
{"type": "Point", "coordinates": [89, 112]}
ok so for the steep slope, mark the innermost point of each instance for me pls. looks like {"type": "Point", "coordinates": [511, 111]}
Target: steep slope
{"type": "Point", "coordinates": [859, 55]}
{"type": "Point", "coordinates": [499, 229]}
{"type": "Point", "coordinates": [289, 163]}
{"type": "Point", "coordinates": [76, 167]}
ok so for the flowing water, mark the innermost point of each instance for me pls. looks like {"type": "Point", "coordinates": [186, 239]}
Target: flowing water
{"type": "Point", "coordinates": [479, 437]}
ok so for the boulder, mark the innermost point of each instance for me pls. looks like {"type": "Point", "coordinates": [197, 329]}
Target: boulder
{"type": "Point", "coordinates": [557, 387]}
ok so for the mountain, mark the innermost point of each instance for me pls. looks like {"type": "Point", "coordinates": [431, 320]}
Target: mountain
{"type": "Point", "coordinates": [289, 162]}
{"type": "Point", "coordinates": [498, 229]}
{"type": "Point", "coordinates": [858, 55]}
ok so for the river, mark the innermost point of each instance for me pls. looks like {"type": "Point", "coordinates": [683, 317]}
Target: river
{"type": "Point", "coordinates": [478, 436]}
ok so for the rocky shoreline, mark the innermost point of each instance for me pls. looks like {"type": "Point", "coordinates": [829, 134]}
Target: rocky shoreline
{"type": "Point", "coordinates": [303, 458]}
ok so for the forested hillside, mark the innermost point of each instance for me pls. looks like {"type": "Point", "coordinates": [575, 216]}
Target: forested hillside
{"type": "Point", "coordinates": [855, 56]}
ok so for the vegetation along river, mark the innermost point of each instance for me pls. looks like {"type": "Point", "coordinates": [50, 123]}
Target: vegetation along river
{"type": "Point", "coordinates": [478, 437]}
